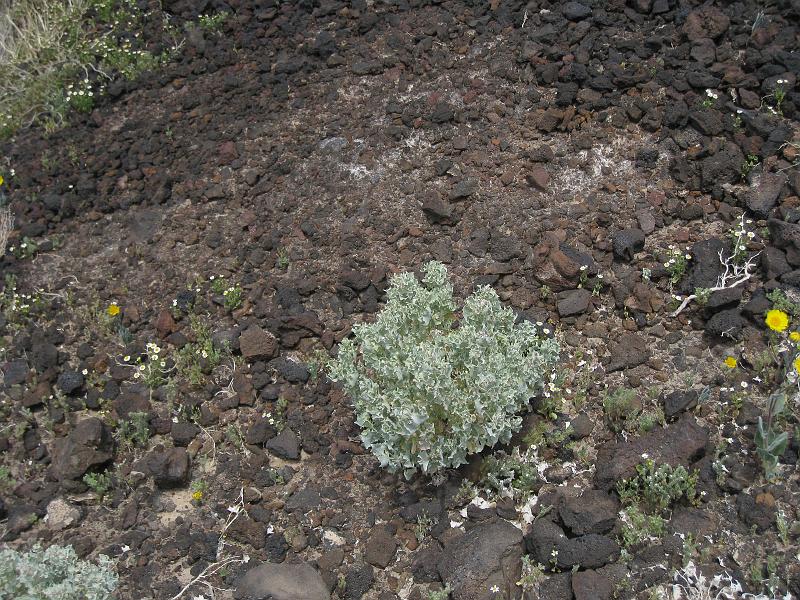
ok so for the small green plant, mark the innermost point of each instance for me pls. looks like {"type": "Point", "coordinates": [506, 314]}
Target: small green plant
{"type": "Point", "coordinates": [782, 524]}
{"type": "Point", "coordinates": [676, 264]}
{"type": "Point", "coordinates": [283, 259]}
{"type": "Point", "coordinates": [152, 368]}
{"type": "Point", "coordinates": [135, 431]}
{"type": "Point", "coordinates": [779, 95]}
{"type": "Point", "coordinates": [781, 301]}
{"type": "Point", "coordinates": [27, 248]}
{"type": "Point", "coordinates": [422, 527]}
{"type": "Point", "coordinates": [442, 594]}
{"type": "Point", "coordinates": [212, 23]}
{"type": "Point", "coordinates": [771, 443]}
{"type": "Point", "coordinates": [710, 99]}
{"type": "Point", "coordinates": [750, 163]}
{"type": "Point", "coordinates": [6, 481]}
{"type": "Point", "coordinates": [341, 584]}
{"type": "Point", "coordinates": [196, 360]}
{"type": "Point", "coordinates": [199, 490]}
{"type": "Point", "coordinates": [99, 483]}
{"type": "Point", "coordinates": [428, 393]}
{"type": "Point", "coordinates": [55, 572]}
{"type": "Point", "coordinates": [655, 489]}
{"type": "Point", "coordinates": [638, 527]}
{"type": "Point", "coordinates": [702, 295]}
{"type": "Point", "coordinates": [512, 474]}
{"type": "Point", "coordinates": [649, 420]}
{"type": "Point", "coordinates": [532, 574]}
{"type": "Point", "coordinates": [233, 297]}
{"type": "Point", "coordinates": [620, 407]}
{"type": "Point", "coordinates": [545, 292]}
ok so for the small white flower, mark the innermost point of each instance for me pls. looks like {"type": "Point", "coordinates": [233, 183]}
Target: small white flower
{"type": "Point", "coordinates": [85, 371]}
{"type": "Point", "coordinates": [743, 384]}
{"type": "Point", "coordinates": [584, 267]}
{"type": "Point", "coordinates": [494, 589]}
{"type": "Point", "coordinates": [645, 455]}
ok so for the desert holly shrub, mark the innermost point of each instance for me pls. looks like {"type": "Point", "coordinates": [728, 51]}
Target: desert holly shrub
{"type": "Point", "coordinates": [55, 572]}
{"type": "Point", "coordinates": [428, 388]}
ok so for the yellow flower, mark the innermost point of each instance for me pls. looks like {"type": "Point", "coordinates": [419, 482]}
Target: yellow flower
{"type": "Point", "coordinates": [777, 320]}
{"type": "Point", "coordinates": [1, 180]}
{"type": "Point", "coordinates": [796, 364]}
{"type": "Point", "coordinates": [795, 336]}
{"type": "Point", "coordinates": [113, 309]}
{"type": "Point", "coordinates": [730, 362]}
{"type": "Point", "coordinates": [197, 496]}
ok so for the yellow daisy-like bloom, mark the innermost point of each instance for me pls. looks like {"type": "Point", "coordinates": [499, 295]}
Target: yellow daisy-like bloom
{"type": "Point", "coordinates": [796, 364]}
{"type": "Point", "coordinates": [1, 180]}
{"type": "Point", "coordinates": [795, 336]}
{"type": "Point", "coordinates": [730, 362]}
{"type": "Point", "coordinates": [777, 320]}
{"type": "Point", "coordinates": [198, 495]}
{"type": "Point", "coordinates": [113, 309]}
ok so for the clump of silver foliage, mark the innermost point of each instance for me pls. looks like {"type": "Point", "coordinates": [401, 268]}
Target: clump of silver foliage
{"type": "Point", "coordinates": [430, 388]}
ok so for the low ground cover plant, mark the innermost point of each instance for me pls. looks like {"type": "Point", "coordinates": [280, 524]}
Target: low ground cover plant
{"type": "Point", "coordinates": [55, 572]}
{"type": "Point", "coordinates": [429, 388]}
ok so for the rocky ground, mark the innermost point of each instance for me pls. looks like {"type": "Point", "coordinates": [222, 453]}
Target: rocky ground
{"type": "Point", "coordinates": [242, 207]}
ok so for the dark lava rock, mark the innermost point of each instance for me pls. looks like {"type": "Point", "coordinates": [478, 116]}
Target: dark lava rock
{"type": "Point", "coordinates": [774, 263]}
{"type": "Point", "coordinates": [591, 585]}
{"type": "Point", "coordinates": [89, 445]}
{"type": "Point", "coordinates": [464, 189]}
{"type": "Point", "coordinates": [573, 302]}
{"type": "Point", "coordinates": [707, 21]}
{"type": "Point", "coordinates": [786, 236]}
{"type": "Point", "coordinates": [15, 372]}
{"type": "Point", "coordinates": [260, 431]}
{"type": "Point", "coordinates": [304, 500]}
{"type": "Point", "coordinates": [438, 210]}
{"type": "Point", "coordinates": [575, 11]}
{"type": "Point", "coordinates": [183, 433]}
{"type": "Point", "coordinates": [723, 167]}
{"type": "Point", "coordinates": [679, 401]}
{"type": "Point", "coordinates": [630, 351]}
{"type": "Point", "coordinates": [290, 370]}
{"type": "Point", "coordinates": [359, 580]}
{"type": "Point", "coordinates": [763, 197]}
{"type": "Point", "coordinates": [756, 514]}
{"type": "Point", "coordinates": [627, 242]}
{"type": "Point", "coordinates": [424, 565]}
{"type": "Point", "coordinates": [726, 324]}
{"type": "Point", "coordinates": [557, 586]}
{"type": "Point", "coordinates": [705, 266]}
{"type": "Point", "coordinates": [285, 445]}
{"type": "Point", "coordinates": [255, 343]}
{"type": "Point", "coordinates": [70, 382]}
{"type": "Point", "coordinates": [546, 540]}
{"type": "Point", "coordinates": [723, 299]}
{"type": "Point", "coordinates": [169, 468]}
{"type": "Point", "coordinates": [487, 555]}
{"type": "Point", "coordinates": [678, 444]}
{"type": "Point", "coordinates": [281, 582]}
{"type": "Point", "coordinates": [594, 511]}
{"type": "Point", "coordinates": [706, 121]}
{"type": "Point", "coordinates": [380, 548]}
{"type": "Point", "coordinates": [275, 547]}
{"type": "Point", "coordinates": [442, 113]}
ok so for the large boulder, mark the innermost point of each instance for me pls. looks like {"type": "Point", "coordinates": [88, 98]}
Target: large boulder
{"type": "Point", "coordinates": [88, 445]}
{"type": "Point", "coordinates": [487, 555]}
{"type": "Point", "coordinates": [283, 581]}
{"type": "Point", "coordinates": [681, 443]}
